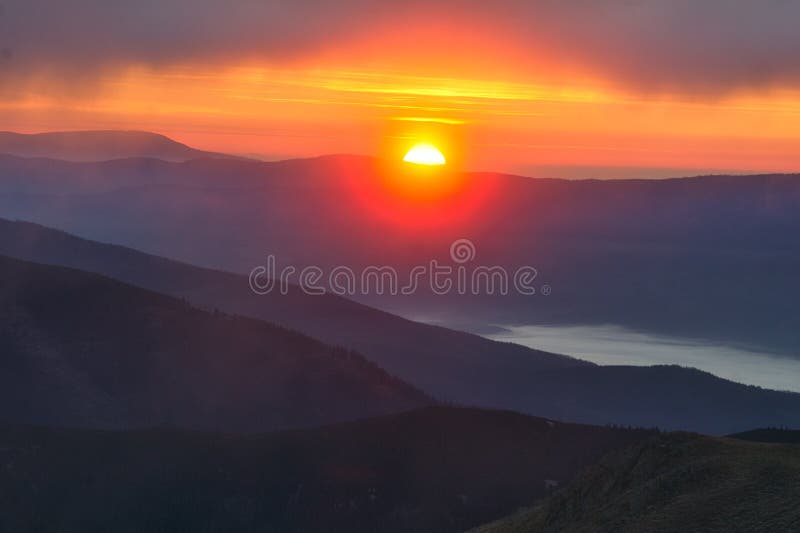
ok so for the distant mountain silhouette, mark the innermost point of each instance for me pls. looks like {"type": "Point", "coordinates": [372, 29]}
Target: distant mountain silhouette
{"type": "Point", "coordinates": [435, 470]}
{"type": "Point", "coordinates": [659, 256]}
{"type": "Point", "coordinates": [449, 365]}
{"type": "Point", "coordinates": [98, 146]}
{"type": "Point", "coordinates": [78, 349]}
{"type": "Point", "coordinates": [674, 482]}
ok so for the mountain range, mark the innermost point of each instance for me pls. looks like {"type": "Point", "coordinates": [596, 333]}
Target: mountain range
{"type": "Point", "coordinates": [656, 256]}
{"type": "Point", "coordinates": [448, 365]}
{"type": "Point", "coordinates": [141, 392]}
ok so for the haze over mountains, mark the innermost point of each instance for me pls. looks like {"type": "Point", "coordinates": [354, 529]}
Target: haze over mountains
{"type": "Point", "coordinates": [657, 256]}
{"type": "Point", "coordinates": [448, 365]}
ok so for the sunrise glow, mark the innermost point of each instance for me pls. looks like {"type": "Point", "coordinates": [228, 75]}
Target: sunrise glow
{"type": "Point", "coordinates": [383, 266]}
{"type": "Point", "coordinates": [585, 111]}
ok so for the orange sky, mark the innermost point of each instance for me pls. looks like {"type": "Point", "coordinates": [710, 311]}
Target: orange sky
{"type": "Point", "coordinates": [375, 95]}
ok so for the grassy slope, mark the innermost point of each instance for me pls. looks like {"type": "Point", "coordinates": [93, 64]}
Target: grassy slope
{"type": "Point", "coordinates": [675, 482]}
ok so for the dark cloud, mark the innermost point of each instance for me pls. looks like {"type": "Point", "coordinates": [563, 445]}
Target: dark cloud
{"type": "Point", "coordinates": [703, 46]}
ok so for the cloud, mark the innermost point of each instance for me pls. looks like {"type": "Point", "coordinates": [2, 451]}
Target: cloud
{"type": "Point", "coordinates": [708, 46]}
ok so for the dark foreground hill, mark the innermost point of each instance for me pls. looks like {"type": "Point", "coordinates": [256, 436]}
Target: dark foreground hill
{"type": "Point", "coordinates": [98, 146]}
{"type": "Point", "coordinates": [675, 482]}
{"type": "Point", "coordinates": [77, 349]}
{"type": "Point", "coordinates": [447, 364]}
{"type": "Point", "coordinates": [432, 470]}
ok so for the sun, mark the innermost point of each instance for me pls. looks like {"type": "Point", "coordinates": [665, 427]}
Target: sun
{"type": "Point", "coordinates": [424, 154]}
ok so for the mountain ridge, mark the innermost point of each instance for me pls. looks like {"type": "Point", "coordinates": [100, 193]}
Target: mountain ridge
{"type": "Point", "coordinates": [100, 145]}
{"type": "Point", "coordinates": [9, 138]}
{"type": "Point", "coordinates": [81, 349]}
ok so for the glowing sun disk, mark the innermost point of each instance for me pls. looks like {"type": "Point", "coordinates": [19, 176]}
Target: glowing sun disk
{"type": "Point", "coordinates": [424, 154]}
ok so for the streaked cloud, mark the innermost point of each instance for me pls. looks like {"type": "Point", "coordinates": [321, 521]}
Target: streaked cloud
{"type": "Point", "coordinates": [705, 47]}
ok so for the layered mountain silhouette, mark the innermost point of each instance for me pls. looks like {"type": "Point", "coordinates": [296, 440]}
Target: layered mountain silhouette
{"type": "Point", "coordinates": [99, 146]}
{"type": "Point", "coordinates": [434, 470]}
{"type": "Point", "coordinates": [78, 349]}
{"type": "Point", "coordinates": [154, 391]}
{"type": "Point", "coordinates": [449, 365]}
{"type": "Point", "coordinates": [456, 366]}
{"type": "Point", "coordinates": [674, 482]}
{"type": "Point", "coordinates": [656, 256]}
